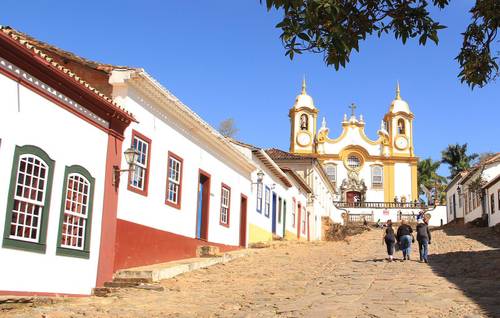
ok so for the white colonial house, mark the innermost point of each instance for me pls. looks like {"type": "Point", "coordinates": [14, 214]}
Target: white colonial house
{"type": "Point", "coordinates": [474, 190]}
{"type": "Point", "coordinates": [190, 186]}
{"type": "Point", "coordinates": [492, 193]}
{"type": "Point", "coordinates": [278, 199]}
{"type": "Point", "coordinates": [320, 202]}
{"type": "Point", "coordinates": [296, 222]}
{"type": "Point", "coordinates": [59, 141]}
{"type": "Point", "coordinates": [455, 203]}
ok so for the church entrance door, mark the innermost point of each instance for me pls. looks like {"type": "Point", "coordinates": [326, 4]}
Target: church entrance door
{"type": "Point", "coordinates": [353, 197]}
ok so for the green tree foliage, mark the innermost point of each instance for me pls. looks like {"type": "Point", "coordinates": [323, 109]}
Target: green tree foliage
{"type": "Point", "coordinates": [427, 174]}
{"type": "Point", "coordinates": [456, 157]}
{"type": "Point", "coordinates": [335, 27]}
{"type": "Point", "coordinates": [227, 128]}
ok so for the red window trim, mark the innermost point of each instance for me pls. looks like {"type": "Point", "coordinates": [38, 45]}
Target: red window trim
{"type": "Point", "coordinates": [179, 195]}
{"type": "Point", "coordinates": [223, 185]}
{"type": "Point", "coordinates": [144, 192]}
{"type": "Point", "coordinates": [294, 210]}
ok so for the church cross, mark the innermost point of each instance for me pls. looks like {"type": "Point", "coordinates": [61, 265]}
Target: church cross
{"type": "Point", "coordinates": [353, 108]}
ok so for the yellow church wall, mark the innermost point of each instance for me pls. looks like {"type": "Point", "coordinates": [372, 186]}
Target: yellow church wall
{"type": "Point", "coordinates": [258, 234]}
{"type": "Point", "coordinates": [388, 181]}
{"type": "Point", "coordinates": [414, 182]}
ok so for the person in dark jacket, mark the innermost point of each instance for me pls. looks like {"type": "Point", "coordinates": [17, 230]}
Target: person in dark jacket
{"type": "Point", "coordinates": [405, 238]}
{"type": "Point", "coordinates": [424, 239]}
{"type": "Point", "coordinates": [390, 240]}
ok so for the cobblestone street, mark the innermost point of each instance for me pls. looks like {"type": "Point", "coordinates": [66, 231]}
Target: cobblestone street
{"type": "Point", "coordinates": [339, 279]}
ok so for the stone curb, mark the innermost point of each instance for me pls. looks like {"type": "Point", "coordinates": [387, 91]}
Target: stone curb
{"type": "Point", "coordinates": [158, 272]}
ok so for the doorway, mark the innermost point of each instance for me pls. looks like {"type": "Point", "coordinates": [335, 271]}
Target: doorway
{"type": "Point", "coordinates": [203, 205]}
{"type": "Point", "coordinates": [353, 197]}
{"type": "Point", "coordinates": [273, 215]}
{"type": "Point", "coordinates": [243, 221]}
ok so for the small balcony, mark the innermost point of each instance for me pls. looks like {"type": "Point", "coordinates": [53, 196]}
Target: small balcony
{"type": "Point", "coordinates": [381, 205]}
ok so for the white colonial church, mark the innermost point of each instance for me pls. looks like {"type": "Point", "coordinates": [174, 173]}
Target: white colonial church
{"type": "Point", "coordinates": [361, 169]}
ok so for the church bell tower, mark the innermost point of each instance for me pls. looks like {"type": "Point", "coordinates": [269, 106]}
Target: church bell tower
{"type": "Point", "coordinates": [399, 123]}
{"type": "Point", "coordinates": [303, 116]}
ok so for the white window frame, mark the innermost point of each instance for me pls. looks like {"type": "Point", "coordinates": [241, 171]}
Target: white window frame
{"type": "Point", "coordinates": [267, 203]}
{"type": "Point", "coordinates": [225, 205]}
{"type": "Point", "coordinates": [332, 177]}
{"type": "Point", "coordinates": [83, 216]}
{"type": "Point", "coordinates": [376, 183]}
{"type": "Point", "coordinates": [140, 168]}
{"type": "Point", "coordinates": [260, 188]}
{"type": "Point", "coordinates": [34, 202]}
{"type": "Point", "coordinates": [174, 179]}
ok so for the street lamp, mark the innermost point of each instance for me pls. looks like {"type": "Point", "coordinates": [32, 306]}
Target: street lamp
{"type": "Point", "coordinates": [131, 156]}
{"type": "Point", "coordinates": [260, 177]}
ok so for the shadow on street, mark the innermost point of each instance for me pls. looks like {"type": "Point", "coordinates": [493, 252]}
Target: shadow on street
{"type": "Point", "coordinates": [476, 273]}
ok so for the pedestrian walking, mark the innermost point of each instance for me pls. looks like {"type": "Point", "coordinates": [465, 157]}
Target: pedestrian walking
{"type": "Point", "coordinates": [405, 238]}
{"type": "Point", "coordinates": [389, 239]}
{"type": "Point", "coordinates": [424, 239]}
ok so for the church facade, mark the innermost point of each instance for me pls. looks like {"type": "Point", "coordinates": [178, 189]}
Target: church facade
{"type": "Point", "coordinates": [361, 169]}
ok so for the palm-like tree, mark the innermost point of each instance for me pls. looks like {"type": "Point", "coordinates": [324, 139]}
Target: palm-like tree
{"type": "Point", "coordinates": [457, 158]}
{"type": "Point", "coordinates": [428, 176]}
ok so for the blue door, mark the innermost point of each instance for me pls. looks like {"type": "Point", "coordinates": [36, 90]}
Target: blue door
{"type": "Point", "coordinates": [274, 213]}
{"type": "Point", "coordinates": [200, 210]}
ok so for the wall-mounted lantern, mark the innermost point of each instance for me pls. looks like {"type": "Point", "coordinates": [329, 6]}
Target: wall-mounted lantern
{"type": "Point", "coordinates": [131, 156]}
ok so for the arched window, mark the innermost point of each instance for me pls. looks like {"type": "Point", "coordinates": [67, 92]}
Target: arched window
{"type": "Point", "coordinates": [401, 126]}
{"type": "Point", "coordinates": [304, 122]}
{"type": "Point", "coordinates": [29, 199]}
{"type": "Point", "coordinates": [331, 172]}
{"type": "Point", "coordinates": [377, 176]}
{"type": "Point", "coordinates": [76, 213]}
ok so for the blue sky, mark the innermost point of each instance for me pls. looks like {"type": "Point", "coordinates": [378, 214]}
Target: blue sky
{"type": "Point", "coordinates": [223, 58]}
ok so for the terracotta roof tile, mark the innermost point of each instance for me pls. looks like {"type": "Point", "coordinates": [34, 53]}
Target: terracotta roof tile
{"type": "Point", "coordinates": [31, 45]}
{"type": "Point", "coordinates": [277, 154]}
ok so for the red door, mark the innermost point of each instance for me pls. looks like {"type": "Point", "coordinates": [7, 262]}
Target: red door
{"type": "Point", "coordinates": [243, 221]}
{"type": "Point", "coordinates": [299, 211]}
{"type": "Point", "coordinates": [353, 197]}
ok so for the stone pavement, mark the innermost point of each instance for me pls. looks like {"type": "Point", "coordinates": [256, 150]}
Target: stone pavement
{"type": "Point", "coordinates": [322, 279]}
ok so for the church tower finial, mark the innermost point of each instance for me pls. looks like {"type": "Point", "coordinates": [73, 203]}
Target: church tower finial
{"type": "Point", "coordinates": [398, 92]}
{"type": "Point", "coordinates": [304, 85]}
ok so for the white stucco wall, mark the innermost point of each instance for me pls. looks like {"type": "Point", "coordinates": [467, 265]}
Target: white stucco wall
{"type": "Point", "coordinates": [294, 193]}
{"type": "Point", "coordinates": [402, 180]}
{"type": "Point", "coordinates": [494, 213]}
{"type": "Point", "coordinates": [352, 137]}
{"type": "Point", "coordinates": [167, 135]}
{"type": "Point", "coordinates": [454, 208]}
{"type": "Point", "coordinates": [69, 140]}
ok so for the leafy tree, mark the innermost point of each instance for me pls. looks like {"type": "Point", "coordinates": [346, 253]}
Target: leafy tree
{"type": "Point", "coordinates": [429, 178]}
{"type": "Point", "coordinates": [335, 27]}
{"type": "Point", "coordinates": [227, 128]}
{"type": "Point", "coordinates": [456, 157]}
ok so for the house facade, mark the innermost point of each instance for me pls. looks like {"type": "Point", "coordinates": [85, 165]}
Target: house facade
{"type": "Point", "coordinates": [279, 199]}
{"type": "Point", "coordinates": [471, 192]}
{"type": "Point", "coordinates": [320, 202]}
{"type": "Point", "coordinates": [190, 186]}
{"type": "Point", "coordinates": [492, 194]}
{"type": "Point", "coordinates": [55, 179]}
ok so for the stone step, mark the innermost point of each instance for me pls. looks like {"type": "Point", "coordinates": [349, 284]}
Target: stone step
{"type": "Point", "coordinates": [158, 272]}
{"type": "Point", "coordinates": [121, 284]}
{"type": "Point", "coordinates": [207, 251]}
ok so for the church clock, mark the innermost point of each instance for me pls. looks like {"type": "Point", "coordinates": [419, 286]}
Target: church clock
{"type": "Point", "coordinates": [303, 139]}
{"type": "Point", "coordinates": [401, 142]}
